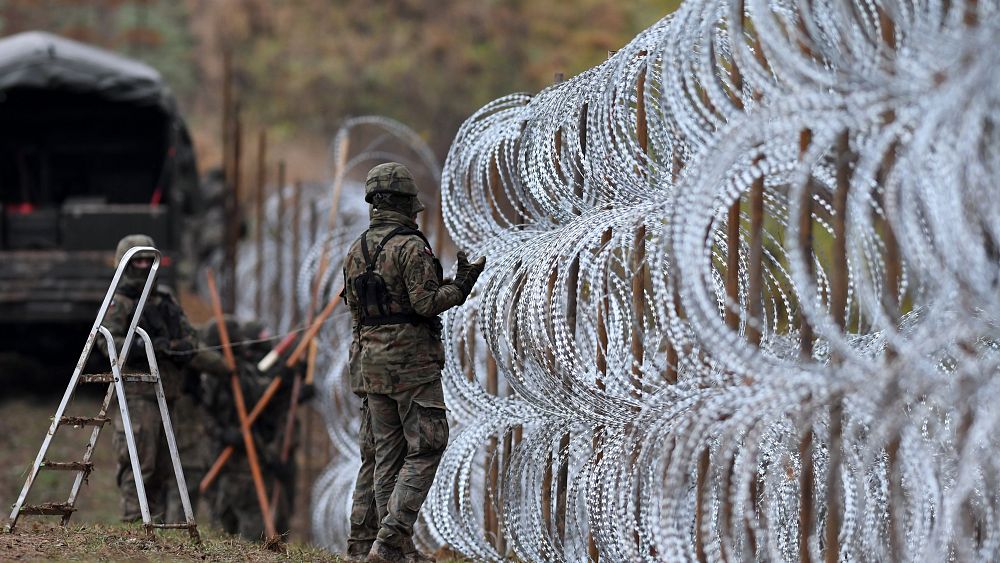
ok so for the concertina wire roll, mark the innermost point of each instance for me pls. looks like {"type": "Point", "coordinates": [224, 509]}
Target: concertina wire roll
{"type": "Point", "coordinates": [741, 298]}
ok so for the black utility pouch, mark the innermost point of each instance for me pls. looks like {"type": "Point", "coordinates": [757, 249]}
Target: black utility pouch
{"type": "Point", "coordinates": [373, 296]}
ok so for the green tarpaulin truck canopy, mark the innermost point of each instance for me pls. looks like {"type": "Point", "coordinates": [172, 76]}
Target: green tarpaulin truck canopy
{"type": "Point", "coordinates": [36, 59]}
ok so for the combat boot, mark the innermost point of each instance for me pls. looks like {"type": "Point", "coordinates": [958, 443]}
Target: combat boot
{"type": "Point", "coordinates": [385, 553]}
{"type": "Point", "coordinates": [356, 553]}
{"type": "Point", "coordinates": [413, 555]}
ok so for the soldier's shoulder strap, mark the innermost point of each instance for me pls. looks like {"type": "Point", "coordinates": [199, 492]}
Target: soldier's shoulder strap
{"type": "Point", "coordinates": [370, 259]}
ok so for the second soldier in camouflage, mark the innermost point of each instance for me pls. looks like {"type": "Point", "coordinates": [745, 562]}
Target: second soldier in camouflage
{"type": "Point", "coordinates": [395, 290]}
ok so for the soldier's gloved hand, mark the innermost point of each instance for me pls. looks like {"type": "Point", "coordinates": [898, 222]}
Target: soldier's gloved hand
{"type": "Point", "coordinates": [161, 344]}
{"type": "Point", "coordinates": [467, 272]}
{"type": "Point", "coordinates": [181, 346]}
{"type": "Point", "coordinates": [181, 350]}
{"type": "Point", "coordinates": [211, 363]}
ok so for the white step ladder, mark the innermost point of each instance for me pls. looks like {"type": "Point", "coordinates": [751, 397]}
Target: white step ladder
{"type": "Point", "coordinates": [116, 380]}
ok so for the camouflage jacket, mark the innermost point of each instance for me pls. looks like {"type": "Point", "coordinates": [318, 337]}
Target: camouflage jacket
{"type": "Point", "coordinates": [395, 357]}
{"type": "Point", "coordinates": [167, 326]}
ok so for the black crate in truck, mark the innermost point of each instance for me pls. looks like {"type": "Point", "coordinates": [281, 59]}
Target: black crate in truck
{"type": "Point", "coordinates": [31, 230]}
{"type": "Point", "coordinates": [92, 226]}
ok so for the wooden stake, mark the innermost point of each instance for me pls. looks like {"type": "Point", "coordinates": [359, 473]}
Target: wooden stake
{"type": "Point", "coordinates": [259, 229]}
{"type": "Point", "coordinates": [806, 479]}
{"type": "Point", "coordinates": [839, 273]}
{"type": "Point", "coordinates": [277, 292]}
{"type": "Point", "coordinates": [296, 244]}
{"type": "Point", "coordinates": [673, 357]}
{"type": "Point", "coordinates": [755, 269]}
{"type": "Point", "coordinates": [505, 460]}
{"type": "Point", "coordinates": [233, 217]}
{"type": "Point", "coordinates": [491, 522]}
{"type": "Point", "coordinates": [733, 266]}
{"type": "Point", "coordinates": [838, 306]}
{"type": "Point", "coordinates": [639, 266]}
{"type": "Point", "coordinates": [806, 245]}
{"type": "Point", "coordinates": [699, 507]}
{"type": "Point", "coordinates": [331, 222]}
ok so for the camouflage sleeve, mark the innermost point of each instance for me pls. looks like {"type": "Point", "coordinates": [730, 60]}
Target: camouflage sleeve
{"type": "Point", "coordinates": [116, 320]}
{"type": "Point", "coordinates": [348, 297]}
{"type": "Point", "coordinates": [205, 361]}
{"type": "Point", "coordinates": [428, 295]}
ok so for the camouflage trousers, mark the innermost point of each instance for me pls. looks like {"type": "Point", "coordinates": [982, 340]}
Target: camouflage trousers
{"type": "Point", "coordinates": [234, 503]}
{"type": "Point", "coordinates": [235, 507]}
{"type": "Point", "coordinates": [410, 431]}
{"type": "Point", "coordinates": [190, 428]}
{"type": "Point", "coordinates": [364, 514]}
{"type": "Point", "coordinates": [154, 460]}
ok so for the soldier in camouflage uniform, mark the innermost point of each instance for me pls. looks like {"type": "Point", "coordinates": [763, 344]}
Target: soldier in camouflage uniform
{"type": "Point", "coordinates": [394, 288]}
{"type": "Point", "coordinates": [175, 344]}
{"type": "Point", "coordinates": [234, 504]}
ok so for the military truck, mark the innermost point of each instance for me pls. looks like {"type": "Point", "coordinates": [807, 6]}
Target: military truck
{"type": "Point", "coordinates": [92, 148]}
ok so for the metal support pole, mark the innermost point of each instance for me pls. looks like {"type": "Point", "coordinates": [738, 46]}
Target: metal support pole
{"type": "Point", "coordinates": [277, 292]}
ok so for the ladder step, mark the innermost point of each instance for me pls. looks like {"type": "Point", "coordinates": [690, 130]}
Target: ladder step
{"type": "Point", "coordinates": [81, 421]}
{"type": "Point", "coordinates": [97, 378]}
{"type": "Point", "coordinates": [48, 509]}
{"type": "Point", "coordinates": [181, 526]}
{"type": "Point", "coordinates": [67, 465]}
{"type": "Point", "coordinates": [109, 378]}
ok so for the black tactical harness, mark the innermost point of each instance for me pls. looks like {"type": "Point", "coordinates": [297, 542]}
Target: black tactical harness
{"type": "Point", "coordinates": [372, 292]}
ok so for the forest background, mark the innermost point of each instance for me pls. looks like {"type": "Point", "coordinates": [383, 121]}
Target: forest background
{"type": "Point", "coordinates": [302, 66]}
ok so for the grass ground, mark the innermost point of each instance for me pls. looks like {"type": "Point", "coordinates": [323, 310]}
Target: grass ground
{"type": "Point", "coordinates": [23, 423]}
{"type": "Point", "coordinates": [39, 541]}
{"type": "Point", "coordinates": [94, 532]}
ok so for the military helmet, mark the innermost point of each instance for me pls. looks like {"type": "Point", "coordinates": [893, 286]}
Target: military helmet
{"type": "Point", "coordinates": [254, 330]}
{"type": "Point", "coordinates": [129, 242]}
{"type": "Point", "coordinates": [209, 333]}
{"type": "Point", "coordinates": [391, 177]}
